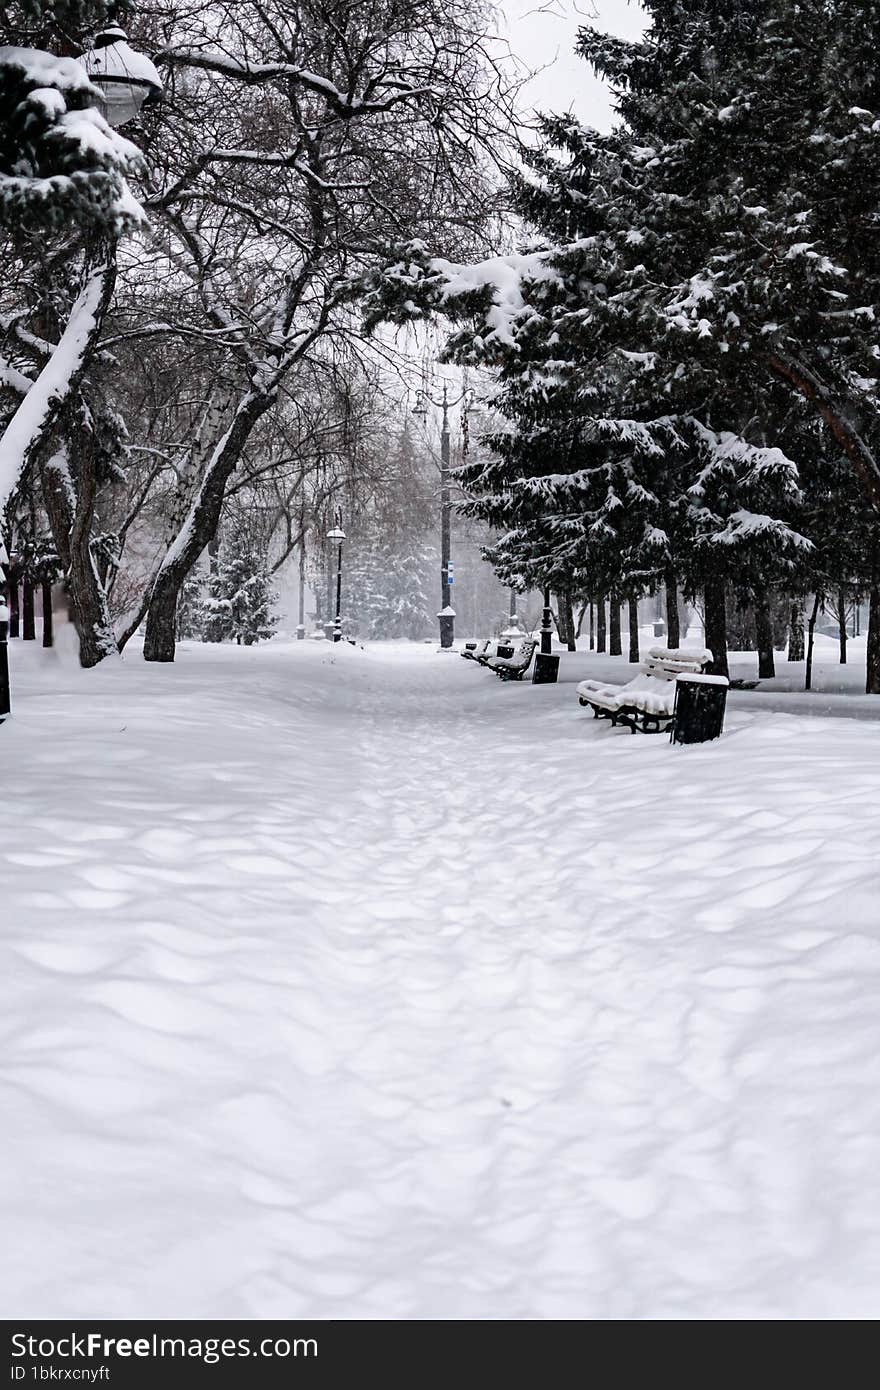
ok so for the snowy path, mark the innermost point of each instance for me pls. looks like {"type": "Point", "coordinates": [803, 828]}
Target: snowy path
{"type": "Point", "coordinates": [371, 987]}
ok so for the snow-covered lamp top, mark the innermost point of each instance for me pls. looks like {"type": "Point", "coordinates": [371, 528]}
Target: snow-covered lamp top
{"type": "Point", "coordinates": [127, 79]}
{"type": "Point", "coordinates": [337, 534]}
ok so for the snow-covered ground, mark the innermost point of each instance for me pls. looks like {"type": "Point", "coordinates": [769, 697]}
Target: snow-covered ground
{"type": "Point", "coordinates": [358, 984]}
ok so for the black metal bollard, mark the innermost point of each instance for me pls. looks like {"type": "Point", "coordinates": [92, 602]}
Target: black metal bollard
{"type": "Point", "coordinates": [5, 702]}
{"type": "Point", "coordinates": [698, 713]}
{"type": "Point", "coordinates": [546, 670]}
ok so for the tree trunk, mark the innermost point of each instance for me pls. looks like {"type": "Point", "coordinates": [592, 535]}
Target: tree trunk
{"type": "Point", "coordinates": [566, 619]}
{"type": "Point", "coordinates": [673, 630]}
{"type": "Point", "coordinates": [70, 512]}
{"type": "Point", "coordinates": [796, 632]}
{"type": "Point", "coordinates": [199, 528]}
{"type": "Point", "coordinates": [841, 622]}
{"type": "Point", "coordinates": [633, 629]}
{"type": "Point", "coordinates": [28, 612]}
{"type": "Point", "coordinates": [601, 645]}
{"type": "Point", "coordinates": [872, 681]}
{"type": "Point", "coordinates": [14, 604]}
{"type": "Point", "coordinates": [851, 433]}
{"type": "Point", "coordinates": [811, 635]}
{"type": "Point", "coordinates": [46, 601]}
{"type": "Point", "coordinates": [872, 653]}
{"type": "Point", "coordinates": [716, 626]}
{"type": "Point", "coordinates": [764, 638]}
{"type": "Point", "coordinates": [614, 644]}
{"type": "Point", "coordinates": [592, 626]}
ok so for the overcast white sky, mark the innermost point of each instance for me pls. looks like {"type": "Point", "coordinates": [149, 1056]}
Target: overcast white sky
{"type": "Point", "coordinates": [543, 34]}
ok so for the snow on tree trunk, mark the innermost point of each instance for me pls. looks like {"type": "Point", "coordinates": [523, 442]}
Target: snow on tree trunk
{"type": "Point", "coordinates": [199, 527]}
{"type": "Point", "coordinates": [40, 408]}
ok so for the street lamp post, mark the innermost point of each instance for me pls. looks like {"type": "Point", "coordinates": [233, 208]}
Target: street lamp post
{"type": "Point", "coordinates": [446, 615]}
{"type": "Point", "coordinates": [338, 535]}
{"type": "Point", "coordinates": [301, 615]}
{"type": "Point", "coordinates": [547, 626]}
{"type": "Point", "coordinates": [546, 671]}
{"type": "Point", "coordinates": [447, 612]}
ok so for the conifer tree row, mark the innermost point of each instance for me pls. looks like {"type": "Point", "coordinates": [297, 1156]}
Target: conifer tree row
{"type": "Point", "coordinates": [687, 352]}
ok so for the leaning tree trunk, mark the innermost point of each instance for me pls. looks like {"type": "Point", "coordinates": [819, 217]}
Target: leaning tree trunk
{"type": "Point", "coordinates": [715, 625]}
{"type": "Point", "coordinates": [764, 639]}
{"type": "Point", "coordinates": [601, 644]}
{"type": "Point", "coordinates": [614, 644]}
{"type": "Point", "coordinates": [673, 630]}
{"type": "Point", "coordinates": [199, 527]}
{"type": "Point", "coordinates": [28, 432]}
{"type": "Point", "coordinates": [633, 629]}
{"type": "Point", "coordinates": [796, 650]}
{"type": "Point", "coordinates": [811, 637]}
{"type": "Point", "coordinates": [841, 623]}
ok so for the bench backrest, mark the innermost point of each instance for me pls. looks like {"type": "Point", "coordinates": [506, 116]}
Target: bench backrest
{"type": "Point", "coordinates": [523, 654]}
{"type": "Point", "coordinates": [666, 663]}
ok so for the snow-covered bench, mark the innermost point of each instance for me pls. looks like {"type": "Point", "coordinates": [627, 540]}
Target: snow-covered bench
{"type": "Point", "coordinates": [513, 668]}
{"type": "Point", "coordinates": [646, 703]}
{"type": "Point", "coordinates": [475, 650]}
{"type": "Point", "coordinates": [490, 652]}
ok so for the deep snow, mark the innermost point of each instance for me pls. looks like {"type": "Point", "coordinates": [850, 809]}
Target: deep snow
{"type": "Point", "coordinates": [359, 984]}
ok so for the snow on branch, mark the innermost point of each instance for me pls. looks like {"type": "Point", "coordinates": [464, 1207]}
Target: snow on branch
{"type": "Point", "coordinates": [753, 526]}
{"type": "Point", "coordinates": [727, 447]}
{"type": "Point", "coordinates": [60, 161]}
{"type": "Point", "coordinates": [495, 290]}
{"type": "Point", "coordinates": [59, 376]}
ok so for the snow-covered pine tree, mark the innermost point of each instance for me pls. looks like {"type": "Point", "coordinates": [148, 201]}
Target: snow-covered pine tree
{"type": "Point", "coordinates": [388, 590]}
{"type": "Point", "coordinates": [64, 203]}
{"type": "Point", "coordinates": [240, 600]}
{"type": "Point", "coordinates": [697, 266]}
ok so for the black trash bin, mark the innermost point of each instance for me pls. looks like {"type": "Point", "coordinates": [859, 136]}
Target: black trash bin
{"type": "Point", "coordinates": [700, 702]}
{"type": "Point", "coordinates": [546, 670]}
